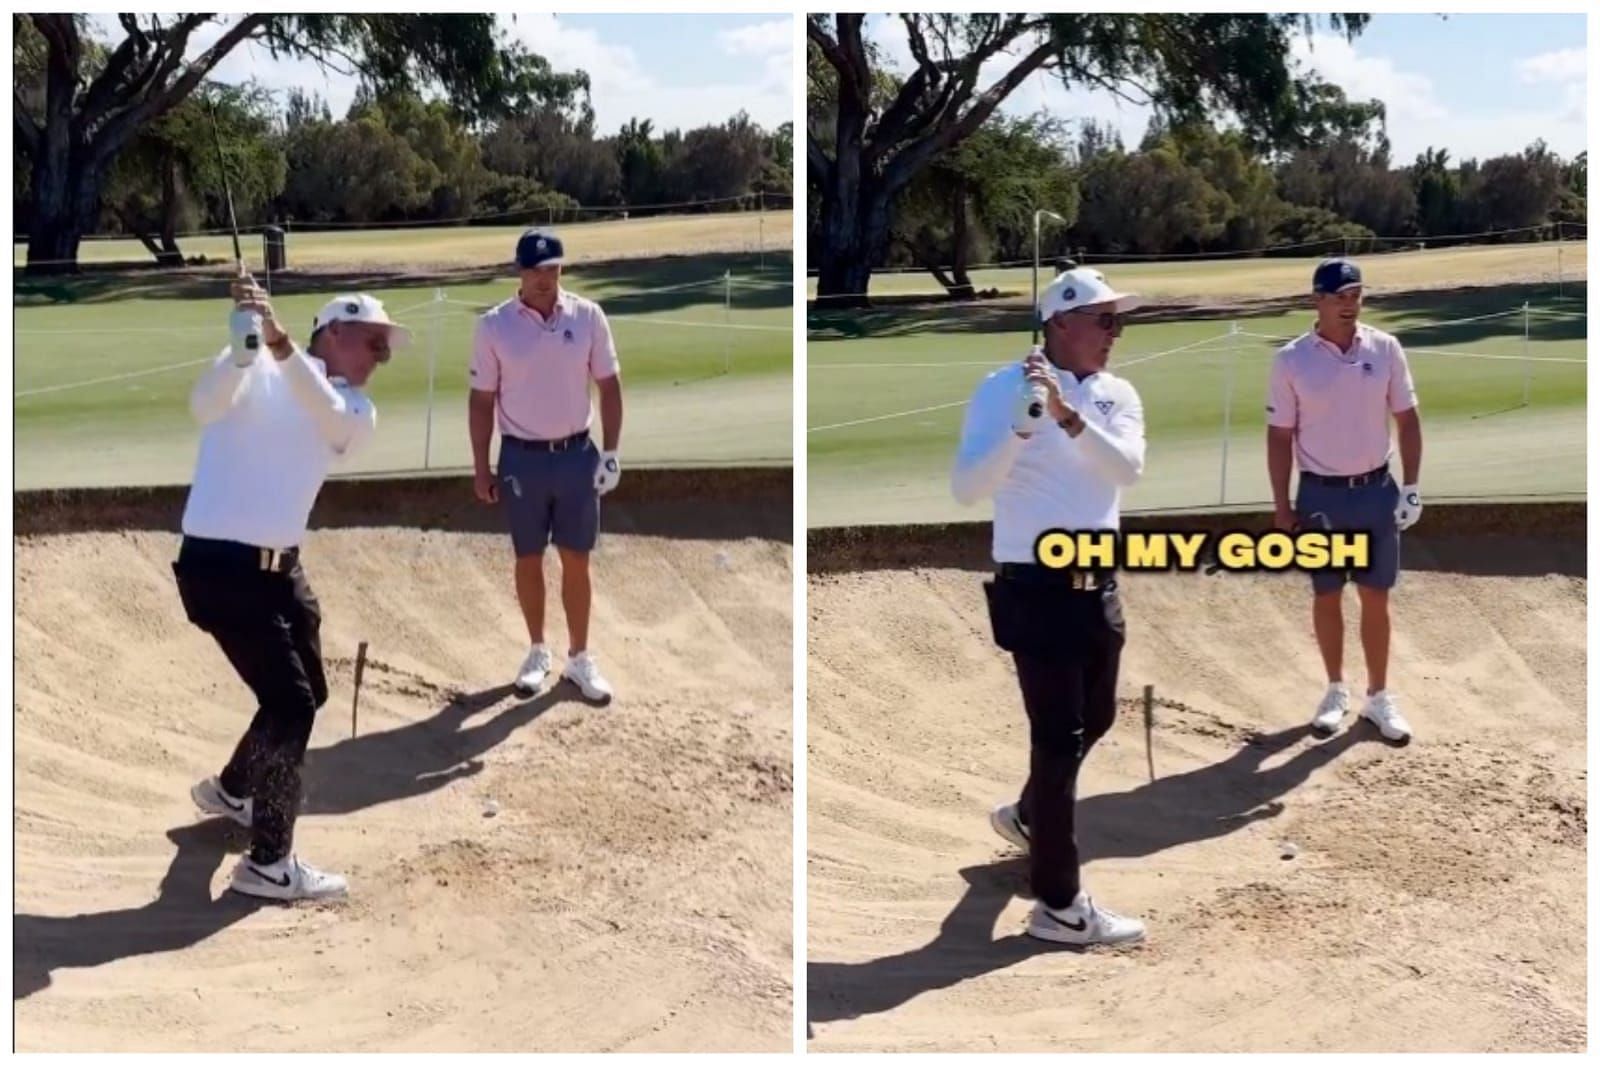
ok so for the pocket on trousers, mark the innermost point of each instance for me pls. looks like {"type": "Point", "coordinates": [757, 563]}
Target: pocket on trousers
{"type": "Point", "coordinates": [1019, 620]}
{"type": "Point", "coordinates": [196, 594]}
{"type": "Point", "coordinates": [1111, 604]}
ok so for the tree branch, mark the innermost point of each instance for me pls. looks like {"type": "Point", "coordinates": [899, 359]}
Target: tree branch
{"type": "Point", "coordinates": [120, 126]}
{"type": "Point", "coordinates": [833, 54]}
{"type": "Point", "coordinates": [909, 161]}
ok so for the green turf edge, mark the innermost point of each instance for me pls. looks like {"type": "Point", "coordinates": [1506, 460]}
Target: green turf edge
{"type": "Point", "coordinates": [966, 545]}
{"type": "Point", "coordinates": [687, 502]}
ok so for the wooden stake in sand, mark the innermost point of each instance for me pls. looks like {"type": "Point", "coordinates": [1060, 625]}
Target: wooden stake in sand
{"type": "Point", "coordinates": [361, 664]}
{"type": "Point", "coordinates": [1149, 728]}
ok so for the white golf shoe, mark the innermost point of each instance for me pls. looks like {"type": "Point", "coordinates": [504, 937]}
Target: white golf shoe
{"type": "Point", "coordinates": [584, 672]}
{"type": "Point", "coordinates": [1083, 924]}
{"type": "Point", "coordinates": [1331, 711]}
{"type": "Point", "coordinates": [211, 797]}
{"type": "Point", "coordinates": [286, 879]}
{"type": "Point", "coordinates": [1381, 711]}
{"type": "Point", "coordinates": [1006, 820]}
{"type": "Point", "coordinates": [535, 668]}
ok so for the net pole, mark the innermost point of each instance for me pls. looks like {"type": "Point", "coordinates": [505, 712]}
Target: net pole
{"type": "Point", "coordinates": [1527, 363]}
{"type": "Point", "coordinates": [433, 360]}
{"type": "Point", "coordinates": [1227, 408]}
{"type": "Point", "coordinates": [727, 320]}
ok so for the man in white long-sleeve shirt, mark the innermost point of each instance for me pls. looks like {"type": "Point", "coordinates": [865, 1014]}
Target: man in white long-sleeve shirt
{"type": "Point", "coordinates": [274, 423]}
{"type": "Point", "coordinates": [1054, 440]}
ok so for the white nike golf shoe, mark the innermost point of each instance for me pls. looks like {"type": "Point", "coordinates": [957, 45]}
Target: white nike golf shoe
{"type": "Point", "coordinates": [286, 879]}
{"type": "Point", "coordinates": [1006, 820]}
{"type": "Point", "coordinates": [211, 797]}
{"type": "Point", "coordinates": [535, 668]}
{"type": "Point", "coordinates": [584, 672]}
{"type": "Point", "coordinates": [1083, 924]}
{"type": "Point", "coordinates": [1381, 711]}
{"type": "Point", "coordinates": [1331, 711]}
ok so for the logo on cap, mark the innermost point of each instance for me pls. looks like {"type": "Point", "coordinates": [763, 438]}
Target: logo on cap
{"type": "Point", "coordinates": [1069, 293]}
{"type": "Point", "coordinates": [352, 308]}
{"type": "Point", "coordinates": [540, 244]}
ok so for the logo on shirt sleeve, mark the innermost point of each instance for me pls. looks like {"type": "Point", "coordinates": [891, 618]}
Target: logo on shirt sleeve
{"type": "Point", "coordinates": [1105, 406]}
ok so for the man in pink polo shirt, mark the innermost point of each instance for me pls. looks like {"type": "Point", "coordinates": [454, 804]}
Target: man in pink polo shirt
{"type": "Point", "coordinates": [533, 358]}
{"type": "Point", "coordinates": [1331, 395]}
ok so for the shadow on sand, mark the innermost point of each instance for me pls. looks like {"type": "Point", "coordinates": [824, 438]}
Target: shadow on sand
{"type": "Point", "coordinates": [366, 771]}
{"type": "Point", "coordinates": [1186, 808]}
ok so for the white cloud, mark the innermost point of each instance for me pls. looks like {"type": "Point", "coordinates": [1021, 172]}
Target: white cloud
{"type": "Point", "coordinates": [1417, 117]}
{"type": "Point", "coordinates": [1565, 65]}
{"type": "Point", "coordinates": [775, 36]}
{"type": "Point", "coordinates": [621, 88]}
{"type": "Point", "coordinates": [1408, 97]}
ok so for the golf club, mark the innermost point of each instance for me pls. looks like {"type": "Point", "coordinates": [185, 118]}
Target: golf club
{"type": "Point", "coordinates": [1036, 408]}
{"type": "Point", "coordinates": [227, 190]}
{"type": "Point", "coordinates": [244, 325]}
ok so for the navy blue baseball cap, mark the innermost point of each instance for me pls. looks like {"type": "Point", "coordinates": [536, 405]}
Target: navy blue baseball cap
{"type": "Point", "coordinates": [1335, 275]}
{"type": "Point", "coordinates": [536, 248]}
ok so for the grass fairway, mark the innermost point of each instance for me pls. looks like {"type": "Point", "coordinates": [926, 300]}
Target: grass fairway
{"type": "Point", "coordinates": [888, 388]}
{"type": "Point", "coordinates": [1262, 278]}
{"type": "Point", "coordinates": [101, 381]}
{"type": "Point", "coordinates": [391, 249]}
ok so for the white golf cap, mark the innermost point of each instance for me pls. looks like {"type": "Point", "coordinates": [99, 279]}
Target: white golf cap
{"type": "Point", "coordinates": [360, 307]}
{"type": "Point", "coordinates": [1081, 287]}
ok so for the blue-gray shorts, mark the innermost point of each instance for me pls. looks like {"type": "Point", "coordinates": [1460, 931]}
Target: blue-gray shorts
{"type": "Point", "coordinates": [549, 496]}
{"type": "Point", "coordinates": [1367, 507]}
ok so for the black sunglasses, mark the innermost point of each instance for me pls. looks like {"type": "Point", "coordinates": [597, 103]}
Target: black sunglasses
{"type": "Point", "coordinates": [1106, 320]}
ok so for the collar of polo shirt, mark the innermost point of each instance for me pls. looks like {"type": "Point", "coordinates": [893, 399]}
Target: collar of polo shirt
{"type": "Point", "coordinates": [563, 305]}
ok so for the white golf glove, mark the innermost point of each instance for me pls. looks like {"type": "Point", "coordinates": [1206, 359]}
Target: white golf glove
{"type": "Point", "coordinates": [1409, 509]}
{"type": "Point", "coordinates": [1030, 397]}
{"type": "Point", "coordinates": [608, 473]}
{"type": "Point", "coordinates": [245, 329]}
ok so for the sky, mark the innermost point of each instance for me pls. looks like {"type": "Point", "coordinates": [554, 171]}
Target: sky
{"type": "Point", "coordinates": [680, 71]}
{"type": "Point", "coordinates": [1477, 85]}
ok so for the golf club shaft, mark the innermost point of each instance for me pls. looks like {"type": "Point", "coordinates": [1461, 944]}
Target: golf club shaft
{"type": "Point", "coordinates": [227, 191]}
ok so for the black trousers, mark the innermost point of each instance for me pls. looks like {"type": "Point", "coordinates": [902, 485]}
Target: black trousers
{"type": "Point", "coordinates": [1067, 646]}
{"type": "Point", "coordinates": [268, 623]}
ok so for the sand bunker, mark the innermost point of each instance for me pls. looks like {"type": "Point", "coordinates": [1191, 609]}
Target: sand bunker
{"type": "Point", "coordinates": [632, 891]}
{"type": "Point", "coordinates": [1435, 900]}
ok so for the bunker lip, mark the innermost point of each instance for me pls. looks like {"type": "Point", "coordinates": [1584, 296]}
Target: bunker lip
{"type": "Point", "coordinates": [713, 503]}
{"type": "Point", "coordinates": [1479, 538]}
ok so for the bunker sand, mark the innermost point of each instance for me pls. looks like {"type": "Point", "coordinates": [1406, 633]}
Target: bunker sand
{"type": "Point", "coordinates": [1435, 897]}
{"type": "Point", "coordinates": [632, 890]}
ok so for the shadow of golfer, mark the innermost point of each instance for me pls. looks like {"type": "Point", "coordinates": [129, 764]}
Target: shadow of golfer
{"type": "Point", "coordinates": [963, 948]}
{"type": "Point", "coordinates": [182, 914]}
{"type": "Point", "coordinates": [420, 757]}
{"type": "Point", "coordinates": [1185, 808]}
{"type": "Point", "coordinates": [1207, 802]}
{"type": "Point", "coordinates": [364, 771]}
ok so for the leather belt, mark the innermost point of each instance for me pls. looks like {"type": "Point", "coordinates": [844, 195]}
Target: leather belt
{"type": "Point", "coordinates": [563, 444]}
{"type": "Point", "coordinates": [243, 556]}
{"type": "Point", "coordinates": [1067, 578]}
{"type": "Point", "coordinates": [1347, 481]}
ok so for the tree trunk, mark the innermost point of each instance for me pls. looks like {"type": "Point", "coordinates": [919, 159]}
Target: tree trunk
{"type": "Point", "coordinates": [66, 202]}
{"type": "Point", "coordinates": [855, 235]}
{"type": "Point", "coordinates": [169, 254]}
{"type": "Point", "coordinates": [961, 288]}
